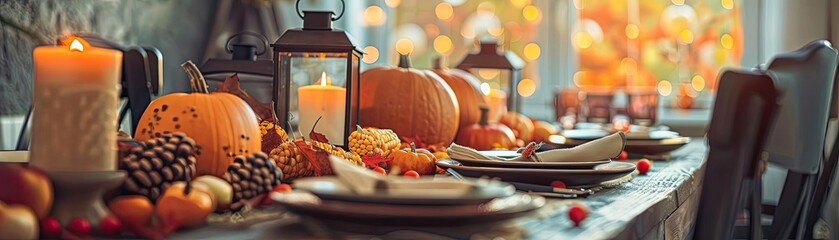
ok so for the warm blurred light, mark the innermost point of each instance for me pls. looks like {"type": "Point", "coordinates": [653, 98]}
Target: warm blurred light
{"type": "Point", "coordinates": [578, 4]}
{"type": "Point", "coordinates": [443, 44]}
{"type": "Point", "coordinates": [496, 32]}
{"type": "Point", "coordinates": [444, 11]}
{"type": "Point", "coordinates": [727, 41]}
{"type": "Point", "coordinates": [629, 66]}
{"type": "Point", "coordinates": [486, 8]}
{"type": "Point", "coordinates": [678, 2]}
{"type": "Point", "coordinates": [519, 3]}
{"type": "Point", "coordinates": [431, 30]}
{"type": "Point", "coordinates": [582, 40]}
{"type": "Point", "coordinates": [686, 36]}
{"type": "Point", "coordinates": [488, 73]}
{"type": "Point", "coordinates": [485, 88]}
{"type": "Point", "coordinates": [727, 4]}
{"type": "Point", "coordinates": [665, 88]}
{"type": "Point", "coordinates": [526, 87]}
{"type": "Point", "coordinates": [532, 51]}
{"type": "Point", "coordinates": [632, 31]}
{"type": "Point", "coordinates": [684, 89]}
{"type": "Point", "coordinates": [393, 3]}
{"type": "Point", "coordinates": [578, 78]}
{"type": "Point", "coordinates": [404, 46]}
{"type": "Point", "coordinates": [371, 55]}
{"type": "Point", "coordinates": [698, 83]}
{"type": "Point", "coordinates": [530, 13]}
{"type": "Point", "coordinates": [374, 16]}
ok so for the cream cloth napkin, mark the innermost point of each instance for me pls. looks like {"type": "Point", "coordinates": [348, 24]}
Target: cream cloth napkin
{"type": "Point", "coordinates": [599, 149]}
{"type": "Point", "coordinates": [363, 181]}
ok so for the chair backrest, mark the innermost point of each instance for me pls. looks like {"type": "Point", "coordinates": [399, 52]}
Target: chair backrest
{"type": "Point", "coordinates": [805, 80]}
{"type": "Point", "coordinates": [743, 112]}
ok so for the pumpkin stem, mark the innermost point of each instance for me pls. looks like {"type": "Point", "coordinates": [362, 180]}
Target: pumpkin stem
{"type": "Point", "coordinates": [359, 129]}
{"type": "Point", "coordinates": [484, 116]}
{"type": "Point", "coordinates": [404, 61]}
{"type": "Point", "coordinates": [188, 187]}
{"type": "Point", "coordinates": [413, 148]}
{"type": "Point", "coordinates": [196, 79]}
{"type": "Point", "coordinates": [438, 62]}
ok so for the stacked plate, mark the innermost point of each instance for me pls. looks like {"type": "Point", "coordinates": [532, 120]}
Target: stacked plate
{"type": "Point", "coordinates": [654, 142]}
{"type": "Point", "coordinates": [573, 174]}
{"type": "Point", "coordinates": [327, 198]}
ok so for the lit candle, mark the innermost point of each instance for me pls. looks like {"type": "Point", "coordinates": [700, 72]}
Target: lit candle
{"type": "Point", "coordinates": [326, 102]}
{"type": "Point", "coordinates": [74, 122]}
{"type": "Point", "coordinates": [497, 101]}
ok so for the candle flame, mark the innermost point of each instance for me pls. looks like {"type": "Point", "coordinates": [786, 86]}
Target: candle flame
{"type": "Point", "coordinates": [76, 46]}
{"type": "Point", "coordinates": [485, 89]}
{"type": "Point", "coordinates": [323, 79]}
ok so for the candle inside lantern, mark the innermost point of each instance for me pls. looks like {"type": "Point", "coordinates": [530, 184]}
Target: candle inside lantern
{"type": "Point", "coordinates": [74, 120]}
{"type": "Point", "coordinates": [497, 103]}
{"type": "Point", "coordinates": [322, 100]}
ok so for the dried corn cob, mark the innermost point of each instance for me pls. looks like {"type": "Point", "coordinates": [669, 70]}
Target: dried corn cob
{"type": "Point", "coordinates": [272, 135]}
{"type": "Point", "coordinates": [369, 141]}
{"type": "Point", "coordinates": [290, 159]}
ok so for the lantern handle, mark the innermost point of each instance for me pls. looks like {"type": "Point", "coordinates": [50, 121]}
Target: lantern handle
{"type": "Point", "coordinates": [248, 33]}
{"type": "Point", "coordinates": [343, 9]}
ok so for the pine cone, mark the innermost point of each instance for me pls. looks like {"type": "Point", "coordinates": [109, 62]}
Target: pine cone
{"type": "Point", "coordinates": [154, 165]}
{"type": "Point", "coordinates": [257, 174]}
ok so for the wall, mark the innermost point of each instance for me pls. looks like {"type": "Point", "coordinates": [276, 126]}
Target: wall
{"type": "Point", "coordinates": [177, 27]}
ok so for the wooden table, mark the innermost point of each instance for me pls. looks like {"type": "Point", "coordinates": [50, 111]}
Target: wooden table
{"type": "Point", "coordinates": [660, 205]}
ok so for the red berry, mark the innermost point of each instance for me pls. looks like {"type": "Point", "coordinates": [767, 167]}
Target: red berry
{"type": "Point", "coordinates": [623, 155]}
{"type": "Point", "coordinates": [110, 226]}
{"type": "Point", "coordinates": [380, 170]}
{"type": "Point", "coordinates": [79, 226]}
{"type": "Point", "coordinates": [558, 184]}
{"type": "Point", "coordinates": [282, 188]}
{"type": "Point", "coordinates": [50, 228]}
{"type": "Point", "coordinates": [411, 173]}
{"type": "Point", "coordinates": [578, 213]}
{"type": "Point", "coordinates": [644, 165]}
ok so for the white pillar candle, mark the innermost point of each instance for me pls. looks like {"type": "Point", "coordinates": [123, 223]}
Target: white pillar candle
{"type": "Point", "coordinates": [323, 101]}
{"type": "Point", "coordinates": [74, 123]}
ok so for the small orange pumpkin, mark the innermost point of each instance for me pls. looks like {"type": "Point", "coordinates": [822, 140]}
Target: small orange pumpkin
{"type": "Point", "coordinates": [186, 205]}
{"type": "Point", "coordinates": [543, 130]}
{"type": "Point", "coordinates": [467, 90]}
{"type": "Point", "coordinates": [485, 135]}
{"type": "Point", "coordinates": [411, 102]}
{"type": "Point", "coordinates": [521, 125]}
{"type": "Point", "coordinates": [420, 160]}
{"type": "Point", "coordinates": [222, 124]}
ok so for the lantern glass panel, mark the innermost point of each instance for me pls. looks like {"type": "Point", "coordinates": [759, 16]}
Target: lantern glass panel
{"type": "Point", "coordinates": [310, 97]}
{"type": "Point", "coordinates": [497, 79]}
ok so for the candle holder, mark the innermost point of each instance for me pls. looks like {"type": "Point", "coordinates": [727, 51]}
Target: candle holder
{"type": "Point", "coordinates": [496, 67]}
{"type": "Point", "coordinates": [80, 194]}
{"type": "Point", "coordinates": [316, 77]}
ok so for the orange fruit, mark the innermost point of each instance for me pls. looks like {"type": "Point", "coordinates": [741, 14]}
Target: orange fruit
{"type": "Point", "coordinates": [133, 210]}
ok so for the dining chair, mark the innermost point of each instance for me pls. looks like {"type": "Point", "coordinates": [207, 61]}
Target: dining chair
{"type": "Point", "coordinates": [804, 78]}
{"type": "Point", "coordinates": [742, 115]}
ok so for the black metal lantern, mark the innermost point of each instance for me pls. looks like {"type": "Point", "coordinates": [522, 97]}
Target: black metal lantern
{"type": "Point", "coordinates": [316, 78]}
{"type": "Point", "coordinates": [506, 67]}
{"type": "Point", "coordinates": [255, 74]}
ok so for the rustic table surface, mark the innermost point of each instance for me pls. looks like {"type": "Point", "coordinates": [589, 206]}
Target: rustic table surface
{"type": "Point", "coordinates": [659, 205]}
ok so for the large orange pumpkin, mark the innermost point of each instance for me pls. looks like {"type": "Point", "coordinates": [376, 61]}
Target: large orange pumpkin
{"type": "Point", "coordinates": [222, 124]}
{"type": "Point", "coordinates": [411, 102]}
{"type": "Point", "coordinates": [522, 125]}
{"type": "Point", "coordinates": [467, 90]}
{"type": "Point", "coordinates": [486, 136]}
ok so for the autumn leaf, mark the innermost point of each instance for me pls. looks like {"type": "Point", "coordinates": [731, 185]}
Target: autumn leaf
{"type": "Point", "coordinates": [309, 153]}
{"type": "Point", "coordinates": [373, 161]}
{"type": "Point", "coordinates": [316, 136]}
{"type": "Point", "coordinates": [416, 140]}
{"type": "Point", "coordinates": [265, 111]}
